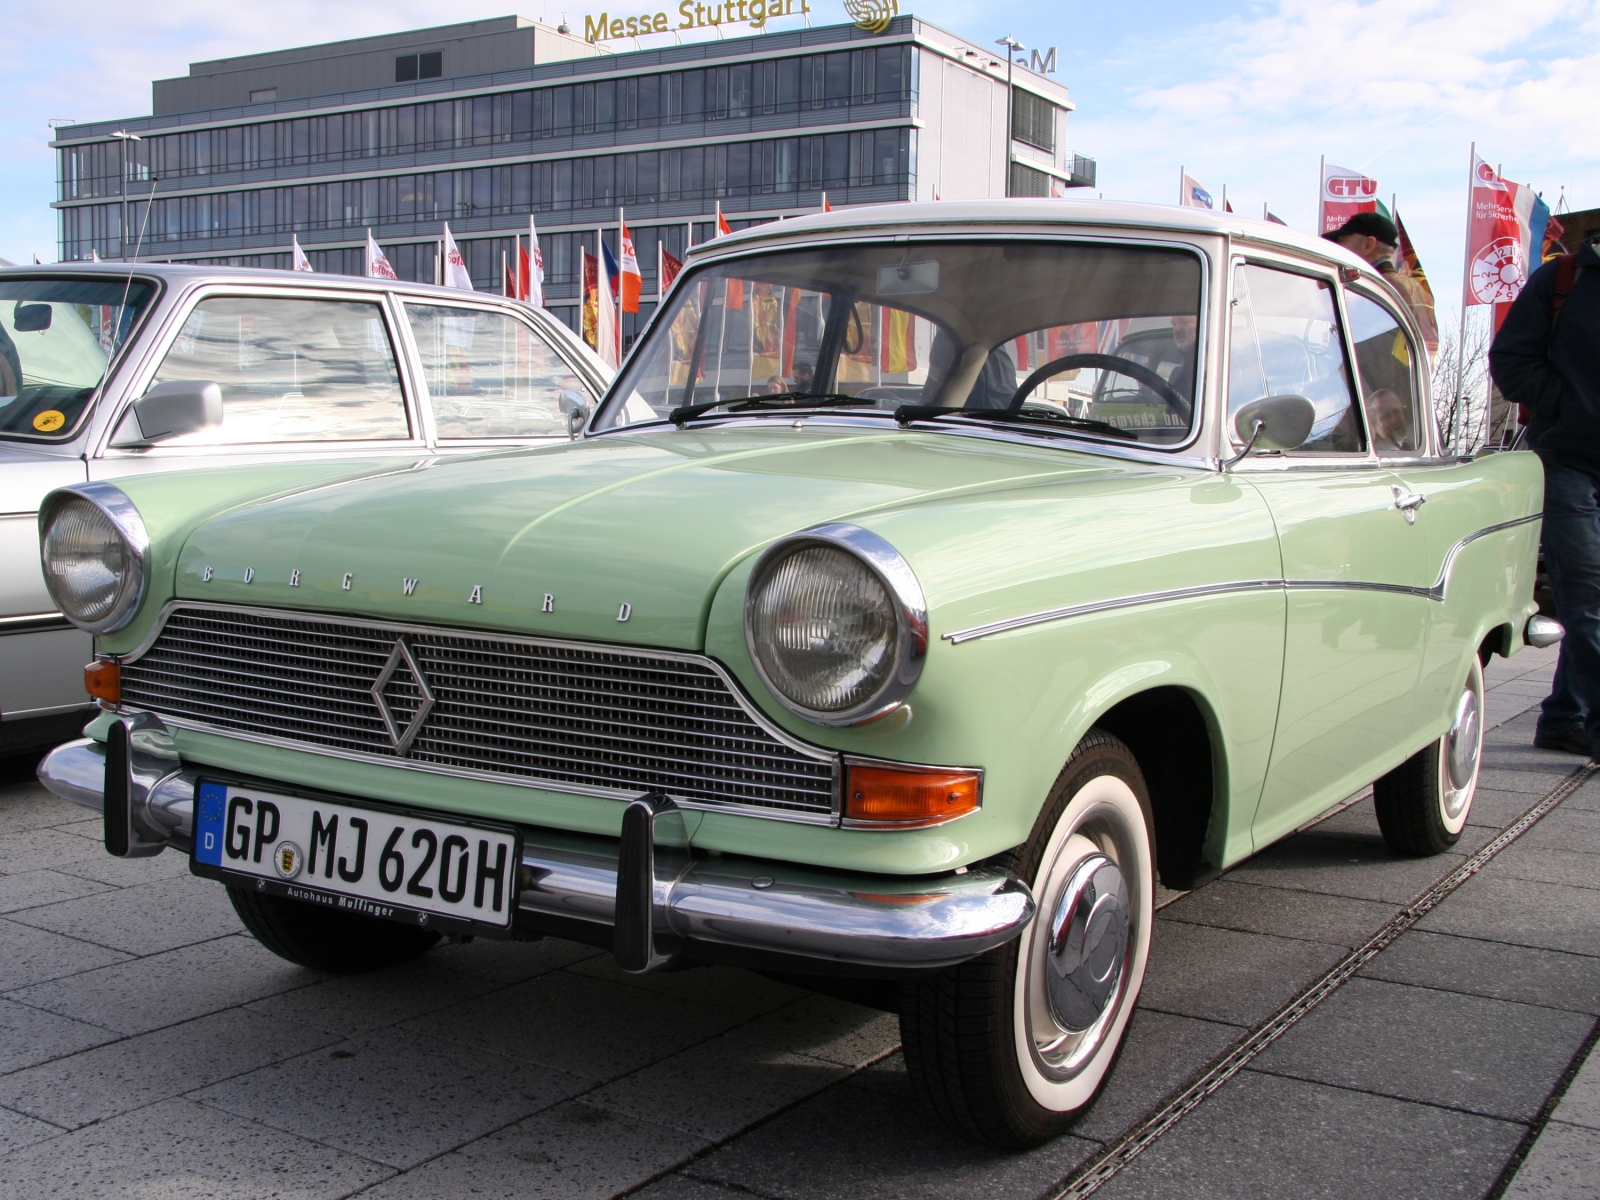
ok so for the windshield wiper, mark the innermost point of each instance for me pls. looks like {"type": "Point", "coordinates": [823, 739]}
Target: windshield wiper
{"type": "Point", "coordinates": [689, 412]}
{"type": "Point", "coordinates": [907, 413]}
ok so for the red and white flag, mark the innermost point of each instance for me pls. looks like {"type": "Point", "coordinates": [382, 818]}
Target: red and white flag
{"type": "Point", "coordinates": [1497, 249]}
{"type": "Point", "coordinates": [826, 207]}
{"type": "Point", "coordinates": [530, 271]}
{"type": "Point", "coordinates": [456, 274]}
{"type": "Point", "coordinates": [722, 222]}
{"type": "Point", "coordinates": [377, 265]}
{"type": "Point", "coordinates": [297, 257]}
{"type": "Point", "coordinates": [1344, 194]}
{"type": "Point", "coordinates": [632, 280]}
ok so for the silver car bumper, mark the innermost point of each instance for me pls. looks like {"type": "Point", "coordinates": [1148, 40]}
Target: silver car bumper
{"type": "Point", "coordinates": [659, 900]}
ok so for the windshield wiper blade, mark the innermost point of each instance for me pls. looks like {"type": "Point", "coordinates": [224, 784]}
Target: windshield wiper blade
{"type": "Point", "coordinates": [907, 413]}
{"type": "Point", "coordinates": [785, 400]}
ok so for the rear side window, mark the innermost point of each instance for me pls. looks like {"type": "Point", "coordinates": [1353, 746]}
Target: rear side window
{"type": "Point", "coordinates": [291, 371]}
{"type": "Point", "coordinates": [1384, 358]}
{"type": "Point", "coordinates": [1286, 341]}
{"type": "Point", "coordinates": [490, 376]}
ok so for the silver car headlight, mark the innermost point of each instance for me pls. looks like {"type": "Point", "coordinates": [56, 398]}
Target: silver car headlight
{"type": "Point", "coordinates": [93, 547]}
{"type": "Point", "coordinates": [836, 624]}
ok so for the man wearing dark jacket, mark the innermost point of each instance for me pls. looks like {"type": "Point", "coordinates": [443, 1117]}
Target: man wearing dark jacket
{"type": "Point", "coordinates": [1547, 357]}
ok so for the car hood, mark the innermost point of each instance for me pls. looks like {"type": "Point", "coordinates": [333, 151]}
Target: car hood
{"type": "Point", "coordinates": [621, 538]}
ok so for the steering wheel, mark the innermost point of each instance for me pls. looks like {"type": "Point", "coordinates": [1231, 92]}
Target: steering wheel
{"type": "Point", "coordinates": [1105, 362]}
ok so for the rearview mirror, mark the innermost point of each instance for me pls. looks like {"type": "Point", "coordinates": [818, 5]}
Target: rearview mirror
{"type": "Point", "coordinates": [1286, 422]}
{"type": "Point", "coordinates": [170, 409]}
{"type": "Point", "coordinates": [32, 318]}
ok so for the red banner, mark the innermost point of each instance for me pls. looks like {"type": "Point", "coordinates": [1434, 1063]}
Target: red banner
{"type": "Point", "coordinates": [1497, 264]}
{"type": "Point", "coordinates": [1344, 194]}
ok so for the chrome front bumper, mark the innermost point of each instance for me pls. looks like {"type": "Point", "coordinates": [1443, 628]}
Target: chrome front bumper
{"type": "Point", "coordinates": [672, 901]}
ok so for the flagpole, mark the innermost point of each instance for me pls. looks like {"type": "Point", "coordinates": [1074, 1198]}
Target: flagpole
{"type": "Point", "coordinates": [1322, 182]}
{"type": "Point", "coordinates": [1461, 334]}
{"type": "Point", "coordinates": [661, 291]}
{"type": "Point", "coordinates": [1182, 175]}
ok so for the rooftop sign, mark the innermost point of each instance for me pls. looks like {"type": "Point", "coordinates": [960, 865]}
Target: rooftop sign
{"type": "Point", "coordinates": [692, 15]}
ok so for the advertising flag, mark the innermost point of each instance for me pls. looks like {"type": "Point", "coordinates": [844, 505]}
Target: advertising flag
{"type": "Point", "coordinates": [1552, 246]}
{"type": "Point", "coordinates": [590, 274]}
{"type": "Point", "coordinates": [1499, 236]}
{"type": "Point", "coordinates": [297, 257]}
{"type": "Point", "coordinates": [899, 342]}
{"type": "Point", "coordinates": [607, 327]}
{"type": "Point", "coordinates": [826, 207]}
{"type": "Point", "coordinates": [1344, 194]}
{"type": "Point", "coordinates": [1192, 195]}
{"type": "Point", "coordinates": [670, 267]}
{"type": "Point", "coordinates": [735, 287]}
{"type": "Point", "coordinates": [1419, 293]}
{"type": "Point", "coordinates": [722, 222]}
{"type": "Point", "coordinates": [456, 274]}
{"type": "Point", "coordinates": [632, 280]}
{"type": "Point", "coordinates": [377, 265]}
{"type": "Point", "coordinates": [533, 268]}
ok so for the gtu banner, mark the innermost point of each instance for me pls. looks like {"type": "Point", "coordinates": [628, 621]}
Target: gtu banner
{"type": "Point", "coordinates": [1504, 236]}
{"type": "Point", "coordinates": [1344, 194]}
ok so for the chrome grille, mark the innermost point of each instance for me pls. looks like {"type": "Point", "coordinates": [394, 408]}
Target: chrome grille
{"type": "Point", "coordinates": [578, 717]}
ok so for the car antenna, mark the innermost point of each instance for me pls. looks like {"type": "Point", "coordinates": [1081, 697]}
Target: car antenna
{"type": "Point", "coordinates": [125, 137]}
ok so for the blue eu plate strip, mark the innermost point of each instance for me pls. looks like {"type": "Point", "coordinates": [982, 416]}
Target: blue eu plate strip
{"type": "Point", "coordinates": [211, 804]}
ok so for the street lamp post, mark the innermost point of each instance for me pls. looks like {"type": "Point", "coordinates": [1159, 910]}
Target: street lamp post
{"type": "Point", "coordinates": [1012, 46]}
{"type": "Point", "coordinates": [124, 137]}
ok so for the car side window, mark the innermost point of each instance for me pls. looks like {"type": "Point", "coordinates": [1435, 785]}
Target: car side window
{"type": "Point", "coordinates": [1384, 358]}
{"type": "Point", "coordinates": [298, 370]}
{"type": "Point", "coordinates": [1286, 341]}
{"type": "Point", "coordinates": [490, 376]}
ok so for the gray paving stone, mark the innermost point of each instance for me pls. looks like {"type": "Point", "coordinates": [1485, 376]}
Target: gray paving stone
{"type": "Point", "coordinates": [1528, 781]}
{"type": "Point", "coordinates": [24, 807]}
{"type": "Point", "coordinates": [145, 919]}
{"type": "Point", "coordinates": [682, 1187]}
{"type": "Point", "coordinates": [570, 1152]}
{"type": "Point", "coordinates": [178, 1149]}
{"type": "Point", "coordinates": [743, 992]}
{"type": "Point", "coordinates": [1161, 1052]}
{"type": "Point", "coordinates": [1564, 1164]}
{"type": "Point", "coordinates": [1263, 1136]}
{"type": "Point", "coordinates": [1494, 969]}
{"type": "Point", "coordinates": [29, 955]}
{"type": "Point", "coordinates": [392, 1096]}
{"type": "Point", "coordinates": [1359, 867]}
{"type": "Point", "coordinates": [1223, 975]}
{"type": "Point", "coordinates": [177, 985]}
{"type": "Point", "coordinates": [17, 1131]}
{"type": "Point", "coordinates": [1581, 1104]}
{"type": "Point", "coordinates": [33, 888]}
{"type": "Point", "coordinates": [1585, 799]}
{"type": "Point", "coordinates": [731, 1082]}
{"type": "Point", "coordinates": [1285, 912]}
{"type": "Point", "coordinates": [1521, 912]}
{"type": "Point", "coordinates": [1546, 864]}
{"type": "Point", "coordinates": [352, 1004]}
{"type": "Point", "coordinates": [1565, 828]}
{"type": "Point", "coordinates": [1496, 810]}
{"type": "Point", "coordinates": [131, 1073]}
{"type": "Point", "coordinates": [1358, 820]}
{"type": "Point", "coordinates": [511, 962]}
{"type": "Point", "coordinates": [1490, 1057]}
{"type": "Point", "coordinates": [29, 1036]}
{"type": "Point", "coordinates": [572, 1023]}
{"type": "Point", "coordinates": [851, 1142]}
{"type": "Point", "coordinates": [127, 872]}
{"type": "Point", "coordinates": [41, 849]}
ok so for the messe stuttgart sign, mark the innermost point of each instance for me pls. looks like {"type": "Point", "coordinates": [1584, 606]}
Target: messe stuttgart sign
{"type": "Point", "coordinates": [692, 15]}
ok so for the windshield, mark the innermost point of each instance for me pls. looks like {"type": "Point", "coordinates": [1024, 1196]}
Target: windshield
{"type": "Point", "coordinates": [1043, 329]}
{"type": "Point", "coordinates": [56, 337]}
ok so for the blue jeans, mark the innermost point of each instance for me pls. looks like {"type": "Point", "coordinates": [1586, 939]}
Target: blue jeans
{"type": "Point", "coordinates": [1571, 540]}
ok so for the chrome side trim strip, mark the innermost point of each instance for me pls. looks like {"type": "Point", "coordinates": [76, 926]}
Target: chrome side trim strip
{"type": "Point", "coordinates": [34, 623]}
{"type": "Point", "coordinates": [1435, 593]}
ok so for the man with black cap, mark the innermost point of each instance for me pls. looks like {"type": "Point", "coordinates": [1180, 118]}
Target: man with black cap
{"type": "Point", "coordinates": [1546, 358]}
{"type": "Point", "coordinates": [1374, 237]}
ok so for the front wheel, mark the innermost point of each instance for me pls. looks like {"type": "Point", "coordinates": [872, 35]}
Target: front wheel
{"type": "Point", "coordinates": [1423, 803]}
{"type": "Point", "coordinates": [326, 939]}
{"type": "Point", "coordinates": [1012, 1046]}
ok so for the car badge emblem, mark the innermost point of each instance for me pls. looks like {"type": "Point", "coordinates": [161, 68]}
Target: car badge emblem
{"type": "Point", "coordinates": [287, 858]}
{"type": "Point", "coordinates": [402, 735]}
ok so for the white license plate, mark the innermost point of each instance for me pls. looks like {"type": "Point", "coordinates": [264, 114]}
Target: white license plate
{"type": "Point", "coordinates": [389, 863]}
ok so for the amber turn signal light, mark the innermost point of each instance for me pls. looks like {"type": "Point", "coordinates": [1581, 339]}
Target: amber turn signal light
{"type": "Point", "coordinates": [103, 681]}
{"type": "Point", "coordinates": [899, 797]}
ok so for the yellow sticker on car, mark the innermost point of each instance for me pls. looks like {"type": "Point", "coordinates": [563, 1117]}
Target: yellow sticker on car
{"type": "Point", "coordinates": [49, 420]}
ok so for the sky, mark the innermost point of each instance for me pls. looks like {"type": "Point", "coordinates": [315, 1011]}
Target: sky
{"type": "Point", "coordinates": [1246, 96]}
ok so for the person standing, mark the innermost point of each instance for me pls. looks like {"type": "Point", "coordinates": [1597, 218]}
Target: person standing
{"type": "Point", "coordinates": [1376, 239]}
{"type": "Point", "coordinates": [1547, 358]}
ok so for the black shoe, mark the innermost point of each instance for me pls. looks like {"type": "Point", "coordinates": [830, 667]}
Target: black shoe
{"type": "Point", "coordinates": [1572, 742]}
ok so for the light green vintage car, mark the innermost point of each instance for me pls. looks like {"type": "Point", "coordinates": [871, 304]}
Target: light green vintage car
{"type": "Point", "coordinates": [933, 581]}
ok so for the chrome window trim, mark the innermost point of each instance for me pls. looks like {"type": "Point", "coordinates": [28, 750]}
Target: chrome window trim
{"type": "Point", "coordinates": [1176, 240]}
{"type": "Point", "coordinates": [911, 618]}
{"type": "Point", "coordinates": [1421, 383]}
{"type": "Point", "coordinates": [1140, 599]}
{"type": "Point", "coordinates": [817, 753]}
{"type": "Point", "coordinates": [125, 519]}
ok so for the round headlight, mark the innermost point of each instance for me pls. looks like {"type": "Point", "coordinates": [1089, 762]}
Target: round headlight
{"type": "Point", "coordinates": [836, 624]}
{"type": "Point", "coordinates": [92, 548]}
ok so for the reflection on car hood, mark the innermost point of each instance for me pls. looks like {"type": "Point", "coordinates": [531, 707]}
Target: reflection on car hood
{"type": "Point", "coordinates": [650, 521]}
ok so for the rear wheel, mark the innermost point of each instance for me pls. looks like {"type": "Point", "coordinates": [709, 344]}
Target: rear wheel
{"type": "Point", "coordinates": [326, 939]}
{"type": "Point", "coordinates": [1011, 1047]}
{"type": "Point", "coordinates": [1423, 803]}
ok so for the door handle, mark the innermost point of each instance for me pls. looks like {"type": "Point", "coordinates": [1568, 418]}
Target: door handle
{"type": "Point", "coordinates": [1407, 502]}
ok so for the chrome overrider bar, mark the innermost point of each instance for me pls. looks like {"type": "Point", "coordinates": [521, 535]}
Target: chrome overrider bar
{"type": "Point", "coordinates": [659, 900]}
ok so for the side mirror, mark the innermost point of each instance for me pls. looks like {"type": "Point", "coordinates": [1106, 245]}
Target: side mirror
{"type": "Point", "coordinates": [576, 406]}
{"type": "Point", "coordinates": [170, 409]}
{"type": "Point", "coordinates": [32, 318]}
{"type": "Point", "coordinates": [1286, 422]}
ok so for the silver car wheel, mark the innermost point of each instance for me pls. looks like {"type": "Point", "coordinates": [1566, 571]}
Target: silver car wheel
{"type": "Point", "coordinates": [1461, 753]}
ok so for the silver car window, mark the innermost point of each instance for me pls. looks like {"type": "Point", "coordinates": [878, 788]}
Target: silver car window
{"type": "Point", "coordinates": [1384, 357]}
{"type": "Point", "coordinates": [490, 376]}
{"type": "Point", "coordinates": [305, 370]}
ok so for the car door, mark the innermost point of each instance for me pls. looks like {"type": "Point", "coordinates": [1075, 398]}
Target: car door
{"type": "Point", "coordinates": [1354, 565]}
{"type": "Point", "coordinates": [490, 377]}
{"type": "Point", "coordinates": [304, 373]}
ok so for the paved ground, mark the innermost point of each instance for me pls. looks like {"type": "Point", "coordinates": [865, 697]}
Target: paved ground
{"type": "Point", "coordinates": [149, 1047]}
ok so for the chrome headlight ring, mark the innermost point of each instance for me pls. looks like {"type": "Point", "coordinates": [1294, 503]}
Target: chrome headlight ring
{"type": "Point", "coordinates": [113, 505]}
{"type": "Point", "coordinates": [909, 606]}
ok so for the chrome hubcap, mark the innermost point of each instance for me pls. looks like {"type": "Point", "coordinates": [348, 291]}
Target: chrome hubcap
{"type": "Point", "coordinates": [1088, 944]}
{"type": "Point", "coordinates": [1461, 749]}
